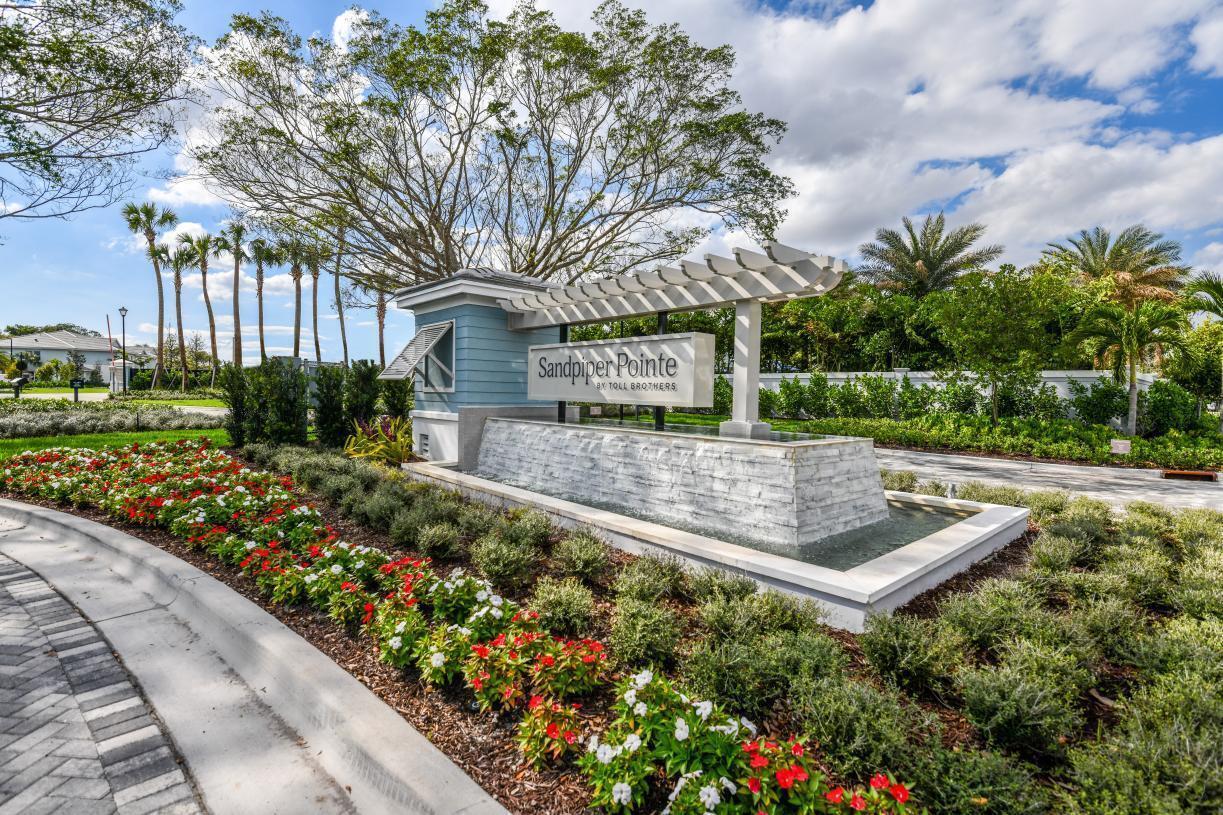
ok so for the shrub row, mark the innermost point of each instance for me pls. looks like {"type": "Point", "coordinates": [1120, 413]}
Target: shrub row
{"type": "Point", "coordinates": [59, 417]}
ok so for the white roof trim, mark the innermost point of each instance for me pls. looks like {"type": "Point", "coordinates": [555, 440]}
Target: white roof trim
{"type": "Point", "coordinates": [414, 353]}
{"type": "Point", "coordinates": [783, 273]}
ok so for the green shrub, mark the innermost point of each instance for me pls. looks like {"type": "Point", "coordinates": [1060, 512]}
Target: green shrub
{"type": "Point", "coordinates": [1166, 406]}
{"type": "Point", "coordinates": [397, 397]}
{"type": "Point", "coordinates": [507, 562]}
{"type": "Point", "coordinates": [1028, 701]}
{"type": "Point", "coordinates": [474, 520]}
{"type": "Point", "coordinates": [931, 488]}
{"type": "Point", "coordinates": [1100, 403]}
{"type": "Point", "coordinates": [1195, 528]}
{"type": "Point", "coordinates": [975, 782]}
{"type": "Point", "coordinates": [1181, 645]}
{"type": "Point", "coordinates": [234, 394]}
{"type": "Point", "coordinates": [335, 487]}
{"type": "Point", "coordinates": [899, 480]}
{"type": "Point", "coordinates": [361, 392]}
{"type": "Point", "coordinates": [1046, 504]}
{"type": "Point", "coordinates": [1199, 590]}
{"type": "Point", "coordinates": [859, 728]}
{"type": "Point", "coordinates": [911, 653]}
{"type": "Point", "coordinates": [991, 494]}
{"type": "Point", "coordinates": [649, 577]}
{"type": "Point", "coordinates": [708, 582]}
{"type": "Point", "coordinates": [1145, 569]}
{"type": "Point", "coordinates": [581, 554]}
{"type": "Point", "coordinates": [532, 528]}
{"type": "Point", "coordinates": [1113, 623]}
{"type": "Point", "coordinates": [762, 613]}
{"type": "Point", "coordinates": [329, 424]}
{"type": "Point", "coordinates": [440, 541]}
{"type": "Point", "coordinates": [1055, 553]}
{"type": "Point", "coordinates": [1085, 519]}
{"type": "Point", "coordinates": [1161, 757]}
{"type": "Point", "coordinates": [565, 607]}
{"type": "Point", "coordinates": [278, 404]}
{"type": "Point", "coordinates": [430, 507]}
{"type": "Point", "coordinates": [996, 611]}
{"type": "Point", "coordinates": [386, 501]}
{"type": "Point", "coordinates": [352, 504]}
{"type": "Point", "coordinates": [643, 632]}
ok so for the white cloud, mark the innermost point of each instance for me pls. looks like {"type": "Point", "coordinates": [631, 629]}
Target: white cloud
{"type": "Point", "coordinates": [345, 26]}
{"type": "Point", "coordinates": [1210, 255]}
{"type": "Point", "coordinates": [1207, 40]}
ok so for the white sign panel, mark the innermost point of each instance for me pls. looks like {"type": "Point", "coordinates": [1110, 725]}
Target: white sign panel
{"type": "Point", "coordinates": [674, 370]}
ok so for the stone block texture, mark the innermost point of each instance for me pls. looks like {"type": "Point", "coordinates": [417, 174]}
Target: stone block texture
{"type": "Point", "coordinates": [788, 493]}
{"type": "Point", "coordinates": [75, 734]}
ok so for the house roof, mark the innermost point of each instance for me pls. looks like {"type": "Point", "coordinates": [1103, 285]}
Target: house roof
{"type": "Point", "coordinates": [63, 341]}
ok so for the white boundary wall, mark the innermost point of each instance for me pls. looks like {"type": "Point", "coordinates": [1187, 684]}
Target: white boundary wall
{"type": "Point", "coordinates": [1058, 379]}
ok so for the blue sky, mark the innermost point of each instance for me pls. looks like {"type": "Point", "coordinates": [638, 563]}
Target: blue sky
{"type": "Point", "coordinates": [1035, 117]}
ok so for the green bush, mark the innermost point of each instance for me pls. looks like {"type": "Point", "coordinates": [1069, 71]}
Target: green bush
{"type": "Point", "coordinates": [361, 392]}
{"type": "Point", "coordinates": [565, 607]}
{"type": "Point", "coordinates": [532, 528]}
{"type": "Point", "coordinates": [278, 403]}
{"type": "Point", "coordinates": [975, 782]}
{"type": "Point", "coordinates": [1028, 702]}
{"type": "Point", "coordinates": [440, 541]}
{"type": "Point", "coordinates": [991, 494]}
{"type": "Point", "coordinates": [336, 487]}
{"type": "Point", "coordinates": [996, 611]}
{"type": "Point", "coordinates": [1181, 645]}
{"type": "Point", "coordinates": [581, 554]}
{"type": "Point", "coordinates": [931, 488]}
{"type": "Point", "coordinates": [1055, 553]}
{"type": "Point", "coordinates": [1100, 403]}
{"type": "Point", "coordinates": [643, 632]}
{"type": "Point", "coordinates": [507, 562]}
{"type": "Point", "coordinates": [899, 480]}
{"type": "Point", "coordinates": [1166, 406]}
{"type": "Point", "coordinates": [1113, 623]}
{"type": "Point", "coordinates": [1195, 528]}
{"type": "Point", "coordinates": [1162, 757]}
{"type": "Point", "coordinates": [329, 424]}
{"type": "Point", "coordinates": [1199, 590]}
{"type": "Point", "coordinates": [1146, 571]}
{"type": "Point", "coordinates": [911, 653]}
{"type": "Point", "coordinates": [387, 500]}
{"type": "Point", "coordinates": [649, 577]}
{"type": "Point", "coordinates": [859, 728]}
{"type": "Point", "coordinates": [708, 583]}
{"type": "Point", "coordinates": [234, 394]}
{"type": "Point", "coordinates": [762, 613]}
{"type": "Point", "coordinates": [397, 397]}
{"type": "Point", "coordinates": [474, 520]}
{"type": "Point", "coordinates": [1046, 504]}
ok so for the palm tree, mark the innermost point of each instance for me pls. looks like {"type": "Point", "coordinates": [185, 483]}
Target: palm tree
{"type": "Point", "coordinates": [380, 315]}
{"type": "Point", "coordinates": [1127, 336]}
{"type": "Point", "coordinates": [316, 255]}
{"type": "Point", "coordinates": [264, 253]}
{"type": "Point", "coordinates": [1140, 264]}
{"type": "Point", "coordinates": [205, 246]}
{"type": "Point", "coordinates": [231, 240]}
{"type": "Point", "coordinates": [919, 262]}
{"type": "Point", "coordinates": [293, 252]}
{"type": "Point", "coordinates": [145, 219]}
{"type": "Point", "coordinates": [1206, 294]}
{"type": "Point", "coordinates": [182, 258]}
{"type": "Point", "coordinates": [339, 302]}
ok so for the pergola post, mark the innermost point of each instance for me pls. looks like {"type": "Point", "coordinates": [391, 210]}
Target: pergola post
{"type": "Point", "coordinates": [745, 411]}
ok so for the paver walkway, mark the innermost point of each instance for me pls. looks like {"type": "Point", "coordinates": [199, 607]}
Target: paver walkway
{"type": "Point", "coordinates": [75, 735]}
{"type": "Point", "coordinates": [1116, 485]}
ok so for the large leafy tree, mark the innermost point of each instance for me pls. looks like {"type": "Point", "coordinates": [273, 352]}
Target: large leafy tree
{"type": "Point", "coordinates": [1205, 293]}
{"type": "Point", "coordinates": [513, 144]}
{"type": "Point", "coordinates": [1128, 336]}
{"type": "Point", "coordinates": [1135, 265]}
{"type": "Point", "coordinates": [917, 261]}
{"type": "Point", "coordinates": [146, 220]}
{"type": "Point", "coordinates": [86, 87]}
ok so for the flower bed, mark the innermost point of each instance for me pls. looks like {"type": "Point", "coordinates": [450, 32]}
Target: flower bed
{"type": "Point", "coordinates": [454, 630]}
{"type": "Point", "coordinates": [20, 418]}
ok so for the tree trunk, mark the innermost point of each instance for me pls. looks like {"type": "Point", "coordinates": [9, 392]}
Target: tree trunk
{"type": "Point", "coordinates": [182, 340]}
{"type": "Point", "coordinates": [263, 351]}
{"type": "Point", "coordinates": [237, 308]}
{"type": "Point", "coordinates": [1221, 393]}
{"type": "Point", "coordinates": [212, 322]}
{"type": "Point", "coordinates": [380, 313]}
{"type": "Point", "coordinates": [296, 272]}
{"type": "Point", "coordinates": [314, 275]}
{"type": "Point", "coordinates": [339, 305]}
{"type": "Point", "coordinates": [993, 401]}
{"type": "Point", "coordinates": [161, 311]}
{"type": "Point", "coordinates": [1131, 420]}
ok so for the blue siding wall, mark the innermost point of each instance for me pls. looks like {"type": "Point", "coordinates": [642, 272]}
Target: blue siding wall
{"type": "Point", "coordinates": [490, 360]}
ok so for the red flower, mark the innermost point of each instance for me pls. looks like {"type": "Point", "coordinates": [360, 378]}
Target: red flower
{"type": "Point", "coordinates": [857, 802]}
{"type": "Point", "coordinates": [753, 784]}
{"type": "Point", "coordinates": [480, 650]}
{"type": "Point", "coordinates": [879, 781]}
{"type": "Point", "coordinates": [750, 746]}
{"type": "Point", "coordinates": [797, 749]}
{"type": "Point", "coordinates": [899, 792]}
{"type": "Point", "coordinates": [785, 778]}
{"type": "Point", "coordinates": [369, 612]}
{"type": "Point", "coordinates": [570, 737]}
{"type": "Point", "coordinates": [799, 773]}
{"type": "Point", "coordinates": [554, 731]}
{"type": "Point", "coordinates": [759, 761]}
{"type": "Point", "coordinates": [548, 660]}
{"type": "Point", "coordinates": [835, 795]}
{"type": "Point", "coordinates": [535, 702]}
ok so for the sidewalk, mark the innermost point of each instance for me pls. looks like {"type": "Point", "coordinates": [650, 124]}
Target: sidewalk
{"type": "Point", "coordinates": [1116, 485]}
{"type": "Point", "coordinates": [77, 736]}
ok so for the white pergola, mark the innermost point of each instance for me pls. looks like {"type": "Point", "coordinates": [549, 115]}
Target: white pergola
{"type": "Point", "coordinates": [745, 281]}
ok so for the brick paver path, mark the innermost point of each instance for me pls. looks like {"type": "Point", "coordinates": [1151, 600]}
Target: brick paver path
{"type": "Point", "coordinates": [75, 735]}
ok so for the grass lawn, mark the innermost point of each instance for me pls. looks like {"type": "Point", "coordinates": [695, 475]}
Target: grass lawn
{"type": "Point", "coordinates": [9, 447]}
{"type": "Point", "coordinates": [180, 402]}
{"type": "Point", "coordinates": [99, 389]}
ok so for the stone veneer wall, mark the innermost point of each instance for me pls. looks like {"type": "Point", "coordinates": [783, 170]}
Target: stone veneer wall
{"type": "Point", "coordinates": [792, 493]}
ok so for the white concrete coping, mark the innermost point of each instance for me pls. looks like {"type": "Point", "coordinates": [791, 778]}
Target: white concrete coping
{"type": "Point", "coordinates": [334, 721]}
{"type": "Point", "coordinates": [881, 584]}
{"type": "Point", "coordinates": [707, 438]}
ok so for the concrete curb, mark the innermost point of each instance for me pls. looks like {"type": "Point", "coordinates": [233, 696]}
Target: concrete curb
{"type": "Point", "coordinates": [354, 737]}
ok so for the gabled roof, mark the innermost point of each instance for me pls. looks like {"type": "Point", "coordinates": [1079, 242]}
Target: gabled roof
{"type": "Point", "coordinates": [62, 341]}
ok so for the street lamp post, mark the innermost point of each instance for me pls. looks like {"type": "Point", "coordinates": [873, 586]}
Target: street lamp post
{"type": "Point", "coordinates": [123, 330]}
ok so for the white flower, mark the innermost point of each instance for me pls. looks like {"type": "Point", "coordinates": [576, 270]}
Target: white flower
{"type": "Point", "coordinates": [642, 679]}
{"type": "Point", "coordinates": [359, 564]}
{"type": "Point", "coordinates": [466, 632]}
{"type": "Point", "coordinates": [751, 727]}
{"type": "Point", "coordinates": [496, 600]}
{"type": "Point", "coordinates": [630, 696]}
{"type": "Point", "coordinates": [605, 753]}
{"type": "Point", "coordinates": [496, 612]}
{"type": "Point", "coordinates": [632, 742]}
{"type": "Point", "coordinates": [438, 659]}
{"type": "Point", "coordinates": [728, 785]}
{"type": "Point", "coordinates": [640, 709]}
{"type": "Point", "coordinates": [400, 626]}
{"type": "Point", "coordinates": [681, 729]}
{"type": "Point", "coordinates": [310, 578]}
{"type": "Point", "coordinates": [396, 643]}
{"type": "Point", "coordinates": [622, 794]}
{"type": "Point", "coordinates": [703, 709]}
{"type": "Point", "coordinates": [709, 797]}
{"type": "Point", "coordinates": [336, 569]}
{"type": "Point", "coordinates": [481, 596]}
{"type": "Point", "coordinates": [593, 744]}
{"type": "Point", "coordinates": [250, 545]}
{"type": "Point", "coordinates": [730, 728]}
